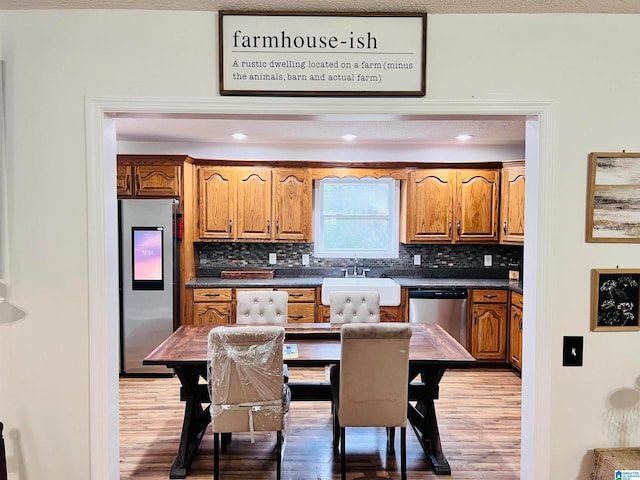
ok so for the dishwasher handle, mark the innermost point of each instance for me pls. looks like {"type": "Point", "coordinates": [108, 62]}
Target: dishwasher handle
{"type": "Point", "coordinates": [438, 294]}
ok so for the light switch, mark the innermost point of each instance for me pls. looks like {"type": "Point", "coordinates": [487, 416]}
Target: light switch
{"type": "Point", "coordinates": [417, 260]}
{"type": "Point", "coordinates": [488, 260]}
{"type": "Point", "coordinates": [572, 351]}
{"type": "Point", "coordinates": [305, 259]}
{"type": "Point", "coordinates": [273, 259]}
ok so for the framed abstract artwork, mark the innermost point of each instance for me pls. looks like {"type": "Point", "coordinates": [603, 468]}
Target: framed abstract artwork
{"type": "Point", "coordinates": [613, 198]}
{"type": "Point", "coordinates": [614, 299]}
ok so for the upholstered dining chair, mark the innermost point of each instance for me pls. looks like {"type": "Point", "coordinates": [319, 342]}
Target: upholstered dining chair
{"type": "Point", "coordinates": [356, 306]}
{"type": "Point", "coordinates": [366, 395]}
{"type": "Point", "coordinates": [262, 307]}
{"type": "Point", "coordinates": [268, 307]}
{"type": "Point", "coordinates": [246, 386]}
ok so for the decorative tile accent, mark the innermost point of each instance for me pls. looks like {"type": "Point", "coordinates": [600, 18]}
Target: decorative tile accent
{"type": "Point", "coordinates": [217, 256]}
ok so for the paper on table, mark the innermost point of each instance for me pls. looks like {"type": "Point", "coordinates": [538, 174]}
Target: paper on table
{"type": "Point", "coordinates": [290, 350]}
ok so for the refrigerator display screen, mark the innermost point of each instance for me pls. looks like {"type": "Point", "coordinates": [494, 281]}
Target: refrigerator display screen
{"type": "Point", "coordinates": [148, 264]}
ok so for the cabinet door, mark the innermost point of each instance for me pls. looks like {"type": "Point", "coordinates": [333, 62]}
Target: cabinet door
{"type": "Point", "coordinates": [254, 203]}
{"type": "Point", "coordinates": [429, 210]}
{"type": "Point", "coordinates": [477, 206]}
{"type": "Point", "coordinates": [391, 314]}
{"type": "Point", "coordinates": [157, 180]}
{"type": "Point", "coordinates": [515, 337]}
{"type": "Point", "coordinates": [292, 204]}
{"type": "Point", "coordinates": [216, 203]}
{"type": "Point", "coordinates": [489, 331]}
{"type": "Point", "coordinates": [211, 313]}
{"type": "Point", "coordinates": [512, 205]}
{"type": "Point", "coordinates": [123, 180]}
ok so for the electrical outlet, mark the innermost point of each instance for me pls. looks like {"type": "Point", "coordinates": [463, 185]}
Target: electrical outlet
{"type": "Point", "coordinates": [417, 260]}
{"type": "Point", "coordinates": [488, 260]}
{"type": "Point", "coordinates": [273, 259]}
{"type": "Point", "coordinates": [305, 259]}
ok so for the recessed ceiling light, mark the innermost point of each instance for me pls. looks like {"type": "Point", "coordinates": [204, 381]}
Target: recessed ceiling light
{"type": "Point", "coordinates": [464, 137]}
{"type": "Point", "coordinates": [349, 136]}
{"type": "Point", "coordinates": [239, 136]}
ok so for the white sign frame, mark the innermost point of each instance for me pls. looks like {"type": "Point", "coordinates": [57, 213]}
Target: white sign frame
{"type": "Point", "coordinates": [322, 54]}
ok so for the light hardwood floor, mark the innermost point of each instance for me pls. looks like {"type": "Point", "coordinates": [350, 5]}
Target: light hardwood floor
{"type": "Point", "coordinates": [478, 414]}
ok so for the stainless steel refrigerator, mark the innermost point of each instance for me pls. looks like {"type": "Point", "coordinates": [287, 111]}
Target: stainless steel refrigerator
{"type": "Point", "coordinates": [149, 279]}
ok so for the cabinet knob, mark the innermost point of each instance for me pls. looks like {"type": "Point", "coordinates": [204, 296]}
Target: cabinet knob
{"type": "Point", "coordinates": [296, 317]}
{"type": "Point", "coordinates": [268, 226]}
{"type": "Point", "coordinates": [504, 227]}
{"type": "Point", "coordinates": [230, 226]}
{"type": "Point", "coordinates": [211, 294]}
{"type": "Point", "coordinates": [458, 228]}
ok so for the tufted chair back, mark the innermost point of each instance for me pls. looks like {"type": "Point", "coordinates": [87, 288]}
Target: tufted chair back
{"type": "Point", "coordinates": [262, 307]}
{"type": "Point", "coordinates": [354, 307]}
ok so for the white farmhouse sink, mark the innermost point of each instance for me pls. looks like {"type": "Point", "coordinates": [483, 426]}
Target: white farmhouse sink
{"type": "Point", "coordinates": [388, 289]}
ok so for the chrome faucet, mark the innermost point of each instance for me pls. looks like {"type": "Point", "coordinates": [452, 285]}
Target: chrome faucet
{"type": "Point", "coordinates": [355, 265]}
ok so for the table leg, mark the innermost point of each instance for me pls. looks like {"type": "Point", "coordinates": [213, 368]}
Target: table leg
{"type": "Point", "coordinates": [196, 419]}
{"type": "Point", "coordinates": [423, 418]}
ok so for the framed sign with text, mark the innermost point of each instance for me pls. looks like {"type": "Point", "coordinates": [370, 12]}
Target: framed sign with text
{"type": "Point", "coordinates": [321, 54]}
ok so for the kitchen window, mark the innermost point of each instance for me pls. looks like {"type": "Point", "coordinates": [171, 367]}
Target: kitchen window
{"type": "Point", "coordinates": [356, 216]}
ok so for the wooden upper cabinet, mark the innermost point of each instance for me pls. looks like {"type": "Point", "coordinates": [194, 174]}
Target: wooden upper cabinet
{"type": "Point", "coordinates": [123, 180]}
{"type": "Point", "coordinates": [477, 206]}
{"type": "Point", "coordinates": [429, 211]}
{"type": "Point", "coordinates": [151, 176]}
{"type": "Point", "coordinates": [292, 214]}
{"type": "Point", "coordinates": [254, 203]}
{"type": "Point", "coordinates": [216, 202]}
{"type": "Point", "coordinates": [157, 180]}
{"type": "Point", "coordinates": [512, 205]}
{"type": "Point", "coordinates": [451, 206]}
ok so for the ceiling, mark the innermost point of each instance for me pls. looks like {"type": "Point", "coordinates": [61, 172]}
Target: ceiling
{"type": "Point", "coordinates": [382, 130]}
{"type": "Point", "coordinates": [429, 6]}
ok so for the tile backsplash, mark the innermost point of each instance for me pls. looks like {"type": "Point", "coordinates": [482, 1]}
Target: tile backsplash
{"type": "Point", "coordinates": [216, 256]}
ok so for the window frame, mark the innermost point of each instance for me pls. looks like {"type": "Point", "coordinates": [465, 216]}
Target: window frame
{"type": "Point", "coordinates": [393, 232]}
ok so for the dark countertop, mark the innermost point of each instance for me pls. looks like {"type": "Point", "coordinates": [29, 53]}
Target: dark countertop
{"type": "Point", "coordinates": [309, 282]}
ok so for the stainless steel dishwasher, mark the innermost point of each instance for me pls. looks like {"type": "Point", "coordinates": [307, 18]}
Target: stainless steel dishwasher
{"type": "Point", "coordinates": [446, 307]}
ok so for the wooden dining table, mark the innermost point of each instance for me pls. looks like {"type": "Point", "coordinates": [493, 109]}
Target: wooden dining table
{"type": "Point", "coordinates": [432, 352]}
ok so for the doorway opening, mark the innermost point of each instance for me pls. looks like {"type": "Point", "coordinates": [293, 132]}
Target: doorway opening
{"type": "Point", "coordinates": [103, 304]}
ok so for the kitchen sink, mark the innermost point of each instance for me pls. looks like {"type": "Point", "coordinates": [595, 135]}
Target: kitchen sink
{"type": "Point", "coordinates": [388, 289]}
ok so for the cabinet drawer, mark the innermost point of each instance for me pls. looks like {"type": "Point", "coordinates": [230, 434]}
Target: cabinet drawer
{"type": "Point", "coordinates": [516, 299]}
{"type": "Point", "coordinates": [489, 296]}
{"type": "Point", "coordinates": [211, 294]}
{"type": "Point", "coordinates": [301, 294]}
{"type": "Point", "coordinates": [301, 313]}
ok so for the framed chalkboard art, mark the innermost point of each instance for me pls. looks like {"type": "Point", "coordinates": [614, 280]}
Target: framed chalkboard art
{"type": "Point", "coordinates": [613, 198]}
{"type": "Point", "coordinates": [614, 299]}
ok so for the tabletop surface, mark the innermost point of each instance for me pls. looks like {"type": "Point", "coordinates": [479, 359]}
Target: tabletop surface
{"type": "Point", "coordinates": [318, 343]}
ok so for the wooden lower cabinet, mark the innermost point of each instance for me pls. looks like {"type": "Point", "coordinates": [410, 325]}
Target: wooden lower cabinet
{"type": "Point", "coordinates": [212, 306]}
{"type": "Point", "coordinates": [302, 305]}
{"type": "Point", "coordinates": [488, 325]}
{"type": "Point", "coordinates": [515, 331]}
{"type": "Point", "coordinates": [217, 306]}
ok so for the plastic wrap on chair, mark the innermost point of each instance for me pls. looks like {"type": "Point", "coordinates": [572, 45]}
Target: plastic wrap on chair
{"type": "Point", "coordinates": [245, 379]}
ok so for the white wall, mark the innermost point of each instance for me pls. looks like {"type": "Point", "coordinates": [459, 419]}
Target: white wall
{"type": "Point", "coordinates": [583, 64]}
